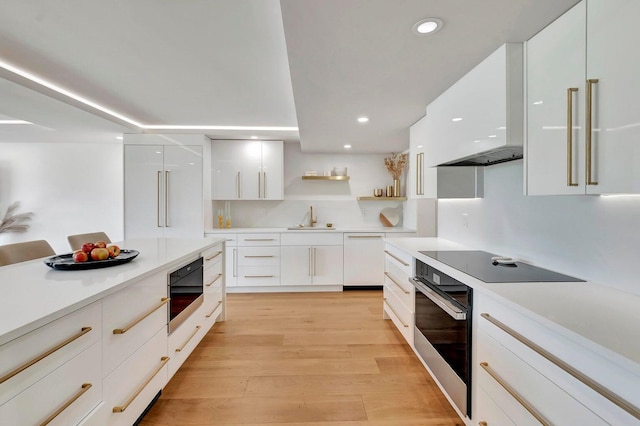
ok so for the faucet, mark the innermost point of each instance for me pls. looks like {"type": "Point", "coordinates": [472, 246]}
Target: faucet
{"type": "Point", "coordinates": [312, 221]}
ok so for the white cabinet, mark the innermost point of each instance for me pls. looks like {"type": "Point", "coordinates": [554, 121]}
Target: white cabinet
{"type": "Point", "coordinates": [363, 258]}
{"type": "Point", "coordinates": [163, 191]}
{"type": "Point", "coordinates": [398, 293]}
{"type": "Point", "coordinates": [247, 170]}
{"type": "Point", "coordinates": [258, 260]}
{"type": "Point", "coordinates": [311, 259]}
{"type": "Point", "coordinates": [581, 133]}
{"type": "Point", "coordinates": [481, 116]}
{"type": "Point", "coordinates": [421, 182]}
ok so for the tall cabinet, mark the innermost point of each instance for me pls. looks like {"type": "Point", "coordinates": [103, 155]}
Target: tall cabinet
{"type": "Point", "coordinates": [247, 170]}
{"type": "Point", "coordinates": [582, 129]}
{"type": "Point", "coordinates": [163, 186]}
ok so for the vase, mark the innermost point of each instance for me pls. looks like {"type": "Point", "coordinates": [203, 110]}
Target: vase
{"type": "Point", "coordinates": [396, 188]}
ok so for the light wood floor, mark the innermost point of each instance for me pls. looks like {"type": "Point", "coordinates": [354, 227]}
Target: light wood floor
{"type": "Point", "coordinates": [322, 359]}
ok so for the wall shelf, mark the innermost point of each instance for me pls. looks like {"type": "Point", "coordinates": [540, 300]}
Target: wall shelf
{"type": "Point", "coordinates": [325, 177]}
{"type": "Point", "coordinates": [382, 198]}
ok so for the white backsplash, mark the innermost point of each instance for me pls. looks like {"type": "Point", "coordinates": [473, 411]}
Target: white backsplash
{"type": "Point", "coordinates": [590, 237]}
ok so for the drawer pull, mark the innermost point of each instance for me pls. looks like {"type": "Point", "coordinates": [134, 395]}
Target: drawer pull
{"type": "Point", "coordinates": [213, 256]}
{"type": "Point", "coordinates": [85, 387]}
{"type": "Point", "coordinates": [258, 276]}
{"type": "Point", "coordinates": [214, 309]}
{"type": "Point", "coordinates": [123, 330]}
{"type": "Point", "coordinates": [189, 339]}
{"type": "Point", "coordinates": [483, 423]}
{"type": "Point", "coordinates": [396, 283]}
{"type": "Point", "coordinates": [365, 236]}
{"type": "Point", "coordinates": [121, 408]}
{"type": "Point", "coordinates": [397, 258]}
{"type": "Point", "coordinates": [83, 331]}
{"type": "Point", "coordinates": [395, 313]}
{"type": "Point", "coordinates": [514, 394]}
{"type": "Point", "coordinates": [614, 398]}
{"type": "Point", "coordinates": [257, 257]}
{"type": "Point", "coordinates": [260, 239]}
{"type": "Point", "coordinates": [214, 280]}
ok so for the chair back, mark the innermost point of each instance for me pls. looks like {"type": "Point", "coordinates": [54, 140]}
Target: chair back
{"type": "Point", "coordinates": [21, 252]}
{"type": "Point", "coordinates": [76, 241]}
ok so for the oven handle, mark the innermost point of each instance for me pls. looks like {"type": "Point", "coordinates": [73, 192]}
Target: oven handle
{"type": "Point", "coordinates": [443, 303]}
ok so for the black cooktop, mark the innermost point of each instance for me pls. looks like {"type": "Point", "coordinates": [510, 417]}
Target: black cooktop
{"type": "Point", "coordinates": [478, 264]}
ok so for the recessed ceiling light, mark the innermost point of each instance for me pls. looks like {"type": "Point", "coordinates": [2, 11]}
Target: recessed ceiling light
{"type": "Point", "coordinates": [457, 119]}
{"type": "Point", "coordinates": [493, 136]}
{"type": "Point", "coordinates": [363, 119]}
{"type": "Point", "coordinates": [538, 103]}
{"type": "Point", "coordinates": [119, 137]}
{"type": "Point", "coordinates": [14, 122]}
{"type": "Point", "coordinates": [427, 26]}
{"type": "Point", "coordinates": [419, 146]}
{"type": "Point", "coordinates": [347, 146]}
{"type": "Point", "coordinates": [254, 137]}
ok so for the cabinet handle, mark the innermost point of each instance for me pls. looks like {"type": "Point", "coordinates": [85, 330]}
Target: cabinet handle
{"type": "Point", "coordinates": [189, 339]}
{"type": "Point", "coordinates": [238, 184]}
{"type": "Point", "coordinates": [315, 257]}
{"type": "Point", "coordinates": [214, 280]}
{"type": "Point", "coordinates": [365, 236]}
{"type": "Point", "coordinates": [420, 173]}
{"type": "Point", "coordinates": [397, 258]}
{"type": "Point", "coordinates": [214, 256]}
{"type": "Point", "coordinates": [256, 256]}
{"type": "Point", "coordinates": [121, 408]}
{"type": "Point", "coordinates": [83, 331]}
{"type": "Point", "coordinates": [570, 91]}
{"type": "Point", "coordinates": [590, 83]}
{"type": "Point", "coordinates": [614, 398]}
{"type": "Point", "coordinates": [258, 276]}
{"type": "Point", "coordinates": [310, 262]}
{"type": "Point", "coordinates": [395, 313]}
{"type": "Point", "coordinates": [264, 185]}
{"type": "Point", "coordinates": [260, 239]}
{"type": "Point", "coordinates": [259, 186]}
{"type": "Point", "coordinates": [128, 327]}
{"type": "Point", "coordinates": [166, 198]}
{"type": "Point", "coordinates": [85, 387]}
{"type": "Point", "coordinates": [158, 183]}
{"type": "Point", "coordinates": [396, 283]}
{"type": "Point", "coordinates": [514, 394]}
{"type": "Point", "coordinates": [235, 262]}
{"type": "Point", "coordinates": [483, 423]}
{"type": "Point", "coordinates": [214, 309]}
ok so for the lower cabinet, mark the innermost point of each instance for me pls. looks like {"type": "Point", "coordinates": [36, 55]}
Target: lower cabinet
{"type": "Point", "coordinates": [398, 293]}
{"type": "Point", "coordinates": [311, 259]}
{"type": "Point", "coordinates": [363, 258]}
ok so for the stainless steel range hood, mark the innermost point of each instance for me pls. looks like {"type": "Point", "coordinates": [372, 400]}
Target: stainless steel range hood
{"type": "Point", "coordinates": [490, 157]}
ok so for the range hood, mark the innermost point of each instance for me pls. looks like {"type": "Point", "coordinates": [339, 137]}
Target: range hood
{"type": "Point", "coordinates": [490, 157]}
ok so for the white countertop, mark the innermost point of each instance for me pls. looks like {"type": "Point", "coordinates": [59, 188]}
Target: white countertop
{"type": "Point", "coordinates": [601, 318]}
{"type": "Point", "coordinates": [34, 294]}
{"type": "Point", "coordinates": [283, 229]}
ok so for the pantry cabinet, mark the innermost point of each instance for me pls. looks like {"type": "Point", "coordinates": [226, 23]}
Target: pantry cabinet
{"type": "Point", "coordinates": [247, 170]}
{"type": "Point", "coordinates": [581, 131]}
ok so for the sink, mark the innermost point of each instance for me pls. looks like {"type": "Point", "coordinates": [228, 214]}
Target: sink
{"type": "Point", "coordinates": [308, 228]}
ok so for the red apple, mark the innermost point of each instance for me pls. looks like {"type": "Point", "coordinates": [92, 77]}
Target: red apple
{"type": "Point", "coordinates": [87, 247]}
{"type": "Point", "coordinates": [99, 253]}
{"type": "Point", "coordinates": [80, 256]}
{"type": "Point", "coordinates": [114, 250]}
{"type": "Point", "coordinates": [101, 244]}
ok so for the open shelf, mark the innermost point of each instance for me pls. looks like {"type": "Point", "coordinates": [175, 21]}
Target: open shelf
{"type": "Point", "coordinates": [325, 177]}
{"type": "Point", "coordinates": [382, 198]}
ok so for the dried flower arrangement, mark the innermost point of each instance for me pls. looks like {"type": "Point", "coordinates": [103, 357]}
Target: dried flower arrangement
{"type": "Point", "coordinates": [396, 164]}
{"type": "Point", "coordinates": [12, 222]}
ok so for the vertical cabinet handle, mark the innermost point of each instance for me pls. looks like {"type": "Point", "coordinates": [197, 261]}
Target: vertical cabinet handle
{"type": "Point", "coordinates": [310, 262]}
{"type": "Point", "coordinates": [264, 184]}
{"type": "Point", "coordinates": [158, 183]}
{"type": "Point", "coordinates": [259, 186]}
{"type": "Point", "coordinates": [570, 91]}
{"type": "Point", "coordinates": [590, 83]}
{"type": "Point", "coordinates": [238, 184]}
{"type": "Point", "coordinates": [166, 198]}
{"type": "Point", "coordinates": [315, 257]}
{"type": "Point", "coordinates": [235, 262]}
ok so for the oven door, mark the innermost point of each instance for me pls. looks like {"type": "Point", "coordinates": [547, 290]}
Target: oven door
{"type": "Point", "coordinates": [185, 292]}
{"type": "Point", "coordinates": [442, 339]}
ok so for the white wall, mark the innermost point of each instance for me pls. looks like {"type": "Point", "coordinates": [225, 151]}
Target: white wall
{"type": "Point", "coordinates": [332, 201]}
{"type": "Point", "coordinates": [590, 237]}
{"type": "Point", "coordinates": [70, 187]}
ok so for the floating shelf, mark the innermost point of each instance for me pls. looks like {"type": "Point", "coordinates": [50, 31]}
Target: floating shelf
{"type": "Point", "coordinates": [382, 198]}
{"type": "Point", "coordinates": [325, 177]}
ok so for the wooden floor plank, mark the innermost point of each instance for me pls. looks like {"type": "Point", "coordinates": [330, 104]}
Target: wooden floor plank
{"type": "Point", "coordinates": [303, 359]}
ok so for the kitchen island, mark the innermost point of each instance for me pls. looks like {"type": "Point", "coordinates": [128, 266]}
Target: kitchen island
{"type": "Point", "coordinates": [92, 345]}
{"type": "Point", "coordinates": [529, 332]}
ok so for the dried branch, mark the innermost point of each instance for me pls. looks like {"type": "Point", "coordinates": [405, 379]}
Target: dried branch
{"type": "Point", "coordinates": [396, 164]}
{"type": "Point", "coordinates": [14, 222]}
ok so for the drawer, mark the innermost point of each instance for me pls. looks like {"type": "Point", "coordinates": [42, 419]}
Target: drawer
{"type": "Point", "coordinates": [401, 288]}
{"type": "Point", "coordinates": [509, 375]}
{"type": "Point", "coordinates": [131, 317]}
{"type": "Point", "coordinates": [75, 386]}
{"type": "Point", "coordinates": [311, 238]}
{"type": "Point", "coordinates": [266, 239]}
{"type": "Point", "coordinates": [213, 277]}
{"type": "Point", "coordinates": [259, 256]}
{"type": "Point", "coordinates": [230, 240]}
{"type": "Point", "coordinates": [395, 310]}
{"type": "Point", "coordinates": [488, 413]}
{"type": "Point", "coordinates": [213, 306]}
{"type": "Point", "coordinates": [129, 389]}
{"type": "Point", "coordinates": [212, 256]}
{"type": "Point", "coordinates": [258, 275]}
{"type": "Point", "coordinates": [54, 344]}
{"type": "Point", "coordinates": [184, 339]}
{"type": "Point", "coordinates": [400, 259]}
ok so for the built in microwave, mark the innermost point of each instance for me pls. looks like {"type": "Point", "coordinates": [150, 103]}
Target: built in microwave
{"type": "Point", "coordinates": [186, 294]}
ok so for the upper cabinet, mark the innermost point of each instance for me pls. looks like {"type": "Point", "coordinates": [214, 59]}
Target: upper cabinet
{"type": "Point", "coordinates": [479, 120]}
{"type": "Point", "coordinates": [247, 170]}
{"type": "Point", "coordinates": [582, 129]}
{"type": "Point", "coordinates": [421, 180]}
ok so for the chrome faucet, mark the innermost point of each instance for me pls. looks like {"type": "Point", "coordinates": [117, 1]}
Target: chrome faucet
{"type": "Point", "coordinates": [312, 221]}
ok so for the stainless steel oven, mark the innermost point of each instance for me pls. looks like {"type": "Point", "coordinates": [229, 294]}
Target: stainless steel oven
{"type": "Point", "coordinates": [442, 332]}
{"type": "Point", "coordinates": [185, 292]}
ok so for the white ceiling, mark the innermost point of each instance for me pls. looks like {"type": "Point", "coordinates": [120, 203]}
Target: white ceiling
{"type": "Point", "coordinates": [226, 63]}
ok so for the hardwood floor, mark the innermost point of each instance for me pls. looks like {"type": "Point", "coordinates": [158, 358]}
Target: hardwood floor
{"type": "Point", "coordinates": [322, 359]}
